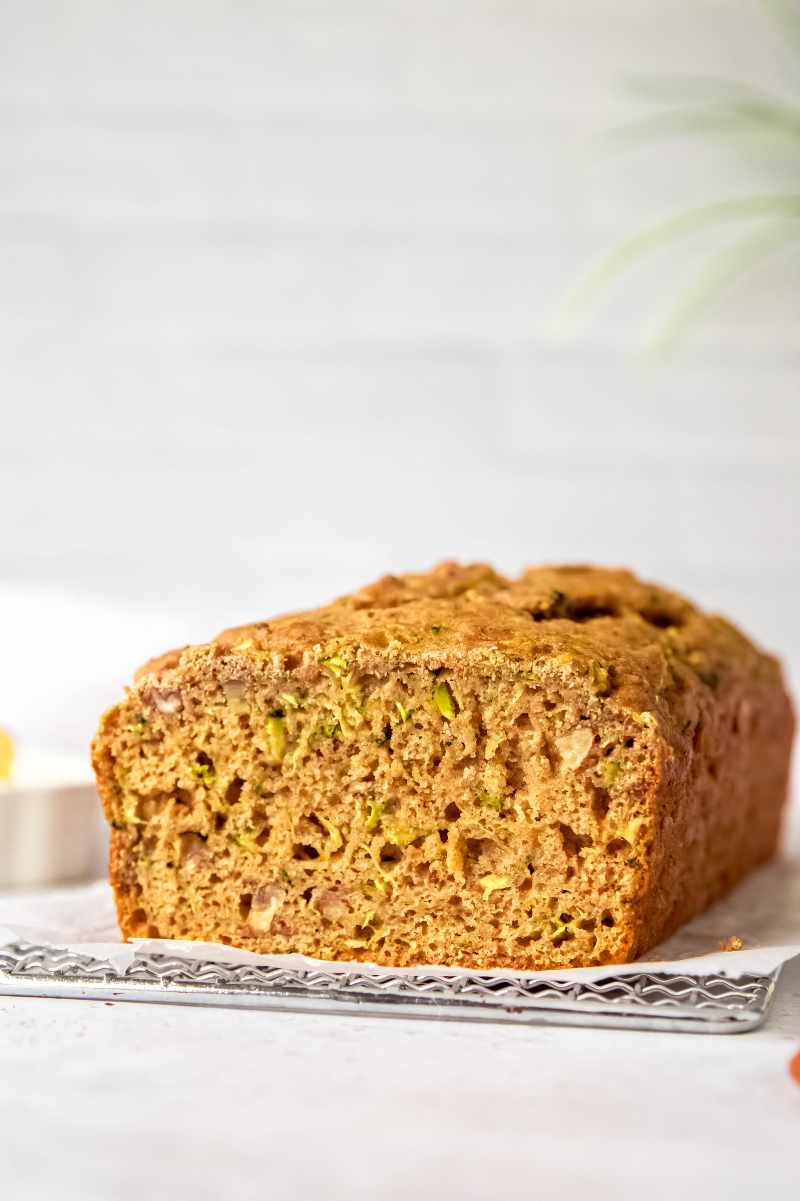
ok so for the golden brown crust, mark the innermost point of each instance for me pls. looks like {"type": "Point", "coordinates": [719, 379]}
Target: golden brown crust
{"type": "Point", "coordinates": [659, 645]}
{"type": "Point", "coordinates": [713, 716]}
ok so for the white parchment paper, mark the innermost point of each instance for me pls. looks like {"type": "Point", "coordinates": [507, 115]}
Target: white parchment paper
{"type": "Point", "coordinates": [764, 912]}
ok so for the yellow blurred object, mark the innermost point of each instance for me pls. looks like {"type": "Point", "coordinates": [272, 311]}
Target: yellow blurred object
{"type": "Point", "coordinates": [6, 754]}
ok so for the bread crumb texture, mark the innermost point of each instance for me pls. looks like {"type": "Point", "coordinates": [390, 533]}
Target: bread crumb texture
{"type": "Point", "coordinates": [448, 768]}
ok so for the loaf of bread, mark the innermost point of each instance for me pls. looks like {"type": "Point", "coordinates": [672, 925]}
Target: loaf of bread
{"type": "Point", "coordinates": [448, 768]}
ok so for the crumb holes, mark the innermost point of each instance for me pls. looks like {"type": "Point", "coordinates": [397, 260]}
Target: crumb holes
{"type": "Point", "coordinates": [301, 850]}
{"type": "Point", "coordinates": [452, 813]}
{"type": "Point", "coordinates": [551, 754]}
{"type": "Point", "coordinates": [572, 843]}
{"type": "Point", "coordinates": [565, 917]}
{"type": "Point", "coordinates": [390, 853]}
{"type": "Point", "coordinates": [292, 662]}
{"type": "Point", "coordinates": [548, 706]}
{"type": "Point", "coordinates": [455, 903]}
{"type": "Point", "coordinates": [220, 821]}
{"type": "Point", "coordinates": [308, 894]}
{"type": "Point", "coordinates": [531, 869]}
{"type": "Point", "coordinates": [576, 611]}
{"type": "Point", "coordinates": [139, 916]}
{"type": "Point", "coordinates": [245, 905]}
{"type": "Point", "coordinates": [601, 802]}
{"type": "Point", "coordinates": [153, 932]}
{"type": "Point", "coordinates": [607, 920]}
{"type": "Point", "coordinates": [312, 817]}
{"type": "Point", "coordinates": [515, 775]}
{"type": "Point", "coordinates": [526, 885]}
{"type": "Point", "coordinates": [523, 722]}
{"type": "Point", "coordinates": [244, 721]}
{"type": "Point", "coordinates": [214, 878]}
{"type": "Point", "coordinates": [628, 743]}
{"type": "Point", "coordinates": [570, 872]}
{"type": "Point", "coordinates": [713, 770]}
{"type": "Point", "coordinates": [477, 847]}
{"type": "Point", "coordinates": [150, 844]}
{"type": "Point", "coordinates": [443, 835]}
{"type": "Point", "coordinates": [203, 760]}
{"type": "Point", "coordinates": [660, 618]}
{"type": "Point", "coordinates": [234, 790]}
{"type": "Point", "coordinates": [387, 731]}
{"type": "Point", "coordinates": [616, 845]}
{"type": "Point", "coordinates": [587, 923]}
{"type": "Point", "coordinates": [224, 939]}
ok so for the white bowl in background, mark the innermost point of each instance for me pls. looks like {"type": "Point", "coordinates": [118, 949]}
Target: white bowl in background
{"type": "Point", "coordinates": [51, 827]}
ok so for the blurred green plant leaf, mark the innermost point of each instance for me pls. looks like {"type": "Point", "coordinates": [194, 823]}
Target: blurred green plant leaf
{"type": "Point", "coordinates": [703, 106]}
{"type": "Point", "coordinates": [628, 253]}
{"type": "Point", "coordinates": [717, 274]}
{"type": "Point", "coordinates": [785, 13]}
{"type": "Point", "coordinates": [749, 115]}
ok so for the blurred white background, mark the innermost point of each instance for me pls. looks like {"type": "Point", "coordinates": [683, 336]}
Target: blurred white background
{"type": "Point", "coordinates": [276, 286]}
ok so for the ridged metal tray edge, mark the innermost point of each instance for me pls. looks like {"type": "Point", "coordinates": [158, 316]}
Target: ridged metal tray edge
{"type": "Point", "coordinates": [713, 1004]}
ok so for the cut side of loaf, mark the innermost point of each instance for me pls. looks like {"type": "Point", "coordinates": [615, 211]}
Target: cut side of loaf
{"type": "Point", "coordinates": [448, 768]}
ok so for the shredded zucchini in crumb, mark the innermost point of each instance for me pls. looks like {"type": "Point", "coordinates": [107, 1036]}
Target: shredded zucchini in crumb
{"type": "Point", "coordinates": [276, 735]}
{"type": "Point", "coordinates": [373, 814]}
{"type": "Point", "coordinates": [247, 842]}
{"type": "Point", "coordinates": [334, 834]}
{"type": "Point", "coordinates": [337, 665]}
{"type": "Point", "coordinates": [492, 802]}
{"type": "Point", "coordinates": [379, 885]}
{"type": "Point", "coordinates": [610, 770]}
{"type": "Point", "coordinates": [630, 831]}
{"type": "Point", "coordinates": [403, 836]}
{"type": "Point", "coordinates": [401, 709]}
{"type": "Point", "coordinates": [492, 883]}
{"type": "Point", "coordinates": [599, 678]}
{"type": "Point", "coordinates": [443, 700]}
{"type": "Point", "coordinates": [289, 700]}
{"type": "Point", "coordinates": [205, 774]}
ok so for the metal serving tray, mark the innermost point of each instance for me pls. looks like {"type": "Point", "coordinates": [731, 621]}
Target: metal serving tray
{"type": "Point", "coordinates": [644, 1001]}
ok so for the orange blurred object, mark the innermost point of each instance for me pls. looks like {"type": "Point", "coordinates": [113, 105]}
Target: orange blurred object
{"type": "Point", "coordinates": [794, 1068]}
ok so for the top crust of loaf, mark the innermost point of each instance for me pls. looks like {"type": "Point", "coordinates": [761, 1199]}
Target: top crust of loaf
{"type": "Point", "coordinates": [649, 648]}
